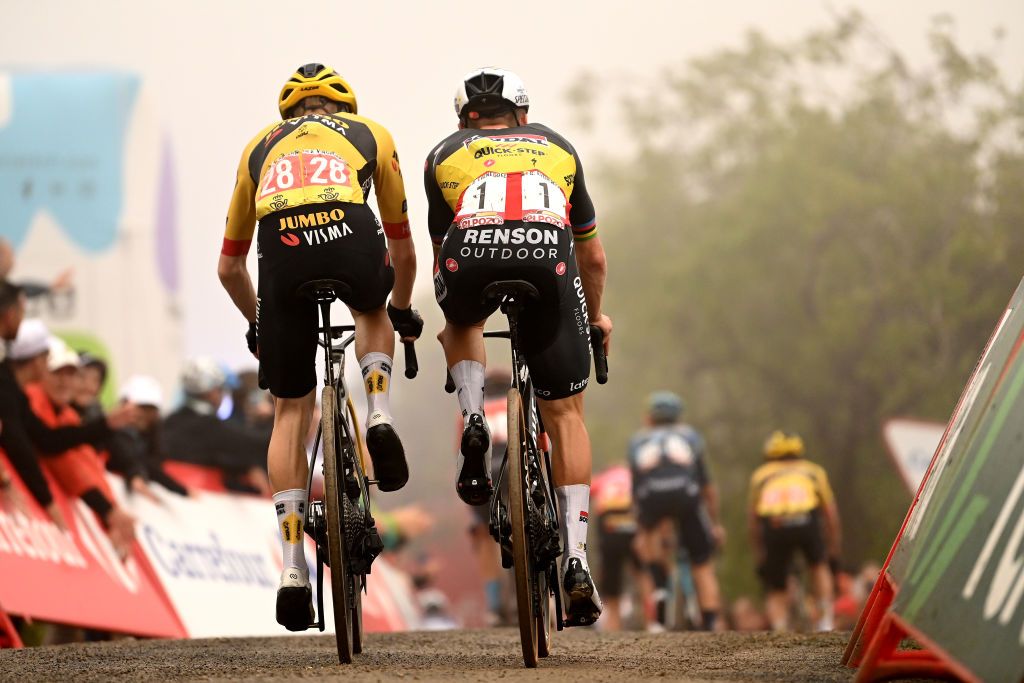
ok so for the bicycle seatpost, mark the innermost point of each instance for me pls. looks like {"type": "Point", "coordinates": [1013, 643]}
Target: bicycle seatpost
{"type": "Point", "coordinates": [325, 313]}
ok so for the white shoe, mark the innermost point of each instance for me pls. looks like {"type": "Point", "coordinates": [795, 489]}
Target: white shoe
{"type": "Point", "coordinates": [295, 599]}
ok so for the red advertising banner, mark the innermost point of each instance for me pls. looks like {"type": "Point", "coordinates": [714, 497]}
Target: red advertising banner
{"type": "Point", "coordinates": [75, 576]}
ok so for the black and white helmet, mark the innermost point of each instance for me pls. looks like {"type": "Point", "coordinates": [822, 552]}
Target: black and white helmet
{"type": "Point", "coordinates": [488, 86]}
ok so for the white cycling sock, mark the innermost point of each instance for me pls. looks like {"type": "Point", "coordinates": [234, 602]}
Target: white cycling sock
{"type": "Point", "coordinates": [574, 503]}
{"type": "Point", "coordinates": [376, 368]}
{"type": "Point", "coordinates": [826, 620]}
{"type": "Point", "coordinates": [468, 376]}
{"type": "Point", "coordinates": [290, 505]}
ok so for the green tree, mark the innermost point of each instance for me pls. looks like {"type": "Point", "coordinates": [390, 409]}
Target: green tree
{"type": "Point", "coordinates": [810, 236]}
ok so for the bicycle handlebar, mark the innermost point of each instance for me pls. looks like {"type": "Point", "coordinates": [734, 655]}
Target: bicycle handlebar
{"type": "Point", "coordinates": [600, 359]}
{"type": "Point", "coordinates": [411, 365]}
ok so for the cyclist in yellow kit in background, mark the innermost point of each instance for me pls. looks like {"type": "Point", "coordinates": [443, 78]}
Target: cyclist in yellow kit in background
{"type": "Point", "coordinates": [305, 180]}
{"type": "Point", "coordinates": [508, 201]}
{"type": "Point", "coordinates": [792, 509]}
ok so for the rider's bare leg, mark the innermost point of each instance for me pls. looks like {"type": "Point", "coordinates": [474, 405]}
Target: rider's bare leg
{"type": "Point", "coordinates": [463, 342]}
{"type": "Point", "coordinates": [571, 463]}
{"type": "Point", "coordinates": [374, 332]}
{"type": "Point", "coordinates": [821, 582]}
{"type": "Point", "coordinates": [571, 457]}
{"type": "Point", "coordinates": [286, 456]}
{"type": "Point", "coordinates": [287, 467]}
{"type": "Point", "coordinates": [776, 606]}
{"type": "Point", "coordinates": [466, 357]}
{"type": "Point", "coordinates": [375, 348]}
{"type": "Point", "coordinates": [708, 597]}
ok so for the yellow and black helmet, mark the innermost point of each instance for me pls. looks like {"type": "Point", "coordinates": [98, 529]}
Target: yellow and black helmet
{"type": "Point", "coordinates": [315, 80]}
{"type": "Point", "coordinates": [781, 445]}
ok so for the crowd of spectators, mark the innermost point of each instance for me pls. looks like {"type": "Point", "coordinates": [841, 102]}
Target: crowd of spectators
{"type": "Point", "coordinates": [55, 431]}
{"type": "Point", "coordinates": [58, 435]}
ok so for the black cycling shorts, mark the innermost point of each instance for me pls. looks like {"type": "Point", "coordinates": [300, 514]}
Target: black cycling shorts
{"type": "Point", "coordinates": [554, 331]}
{"type": "Point", "coordinates": [783, 539]}
{"type": "Point", "coordinates": [615, 550]}
{"type": "Point", "coordinates": [336, 241]}
{"type": "Point", "coordinates": [690, 517]}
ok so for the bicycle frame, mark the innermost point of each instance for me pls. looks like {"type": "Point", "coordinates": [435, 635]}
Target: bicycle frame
{"type": "Point", "coordinates": [537, 444]}
{"type": "Point", "coordinates": [355, 481]}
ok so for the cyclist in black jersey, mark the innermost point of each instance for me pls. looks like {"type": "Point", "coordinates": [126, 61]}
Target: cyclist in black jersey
{"type": "Point", "coordinates": [508, 202]}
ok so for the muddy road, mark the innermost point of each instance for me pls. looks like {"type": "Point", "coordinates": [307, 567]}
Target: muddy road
{"type": "Point", "coordinates": [468, 655]}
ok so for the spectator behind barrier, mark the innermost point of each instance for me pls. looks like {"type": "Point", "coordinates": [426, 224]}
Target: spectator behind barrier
{"type": "Point", "coordinates": [79, 471]}
{"type": "Point", "coordinates": [143, 440]}
{"type": "Point", "coordinates": [23, 436]}
{"type": "Point", "coordinates": [252, 406]}
{"type": "Point", "coordinates": [122, 459]}
{"type": "Point", "coordinates": [92, 377]}
{"type": "Point", "coordinates": [193, 433]}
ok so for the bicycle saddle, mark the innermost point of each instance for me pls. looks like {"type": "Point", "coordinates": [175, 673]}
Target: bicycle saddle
{"type": "Point", "coordinates": [520, 289]}
{"type": "Point", "coordinates": [324, 289]}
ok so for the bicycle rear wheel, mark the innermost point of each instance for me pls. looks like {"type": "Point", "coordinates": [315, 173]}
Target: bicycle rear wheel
{"type": "Point", "coordinates": [518, 514]}
{"type": "Point", "coordinates": [333, 493]}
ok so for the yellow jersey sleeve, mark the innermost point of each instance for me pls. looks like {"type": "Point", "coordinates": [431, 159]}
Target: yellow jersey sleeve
{"type": "Point", "coordinates": [824, 488]}
{"type": "Point", "coordinates": [756, 479]}
{"type": "Point", "coordinates": [389, 186]}
{"type": "Point", "coordinates": [240, 224]}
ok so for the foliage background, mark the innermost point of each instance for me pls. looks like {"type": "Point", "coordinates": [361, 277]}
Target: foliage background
{"type": "Point", "coordinates": [806, 235]}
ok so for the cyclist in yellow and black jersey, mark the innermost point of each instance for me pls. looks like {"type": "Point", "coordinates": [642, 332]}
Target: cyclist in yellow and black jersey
{"type": "Point", "coordinates": [529, 154]}
{"type": "Point", "coordinates": [305, 182]}
{"type": "Point", "coordinates": [792, 510]}
{"type": "Point", "coordinates": [508, 202]}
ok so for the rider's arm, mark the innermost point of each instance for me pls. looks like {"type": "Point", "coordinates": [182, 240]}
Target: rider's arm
{"type": "Point", "coordinates": [830, 512]}
{"type": "Point", "coordinates": [753, 524]}
{"type": "Point", "coordinates": [593, 266]}
{"type": "Point", "coordinates": [390, 189]}
{"type": "Point", "coordinates": [238, 232]}
{"type": "Point", "coordinates": [709, 492]}
{"type": "Point", "coordinates": [590, 254]}
{"type": "Point", "coordinates": [439, 214]}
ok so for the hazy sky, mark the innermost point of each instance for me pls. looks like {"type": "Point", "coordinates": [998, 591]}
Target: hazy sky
{"type": "Point", "coordinates": [214, 70]}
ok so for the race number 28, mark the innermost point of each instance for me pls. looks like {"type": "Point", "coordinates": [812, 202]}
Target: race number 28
{"type": "Point", "coordinates": [304, 169]}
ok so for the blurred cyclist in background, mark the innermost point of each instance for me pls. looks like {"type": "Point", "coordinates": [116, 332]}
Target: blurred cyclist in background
{"type": "Point", "coordinates": [508, 201]}
{"type": "Point", "coordinates": [611, 498]}
{"type": "Point", "coordinates": [675, 503]}
{"type": "Point", "coordinates": [792, 510]}
{"type": "Point", "coordinates": [305, 180]}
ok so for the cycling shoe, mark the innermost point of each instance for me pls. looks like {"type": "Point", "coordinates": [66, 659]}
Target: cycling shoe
{"type": "Point", "coordinates": [389, 466]}
{"type": "Point", "coordinates": [473, 483]}
{"type": "Point", "coordinates": [295, 600]}
{"type": "Point", "coordinates": [583, 604]}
